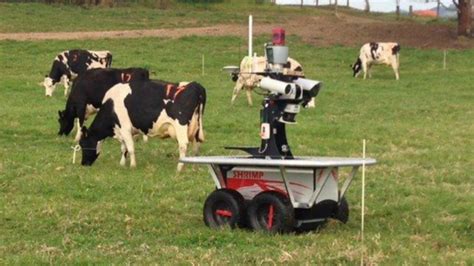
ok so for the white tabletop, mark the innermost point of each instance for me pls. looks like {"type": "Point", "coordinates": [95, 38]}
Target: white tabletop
{"type": "Point", "coordinates": [305, 162]}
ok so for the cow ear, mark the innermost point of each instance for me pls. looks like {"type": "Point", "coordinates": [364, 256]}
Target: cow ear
{"type": "Point", "coordinates": [84, 131]}
{"type": "Point", "coordinates": [45, 76]}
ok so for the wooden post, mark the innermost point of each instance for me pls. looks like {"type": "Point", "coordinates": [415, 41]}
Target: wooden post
{"type": "Point", "coordinates": [335, 7]}
{"type": "Point", "coordinates": [398, 11]}
{"type": "Point", "coordinates": [317, 2]}
{"type": "Point", "coordinates": [410, 11]}
{"type": "Point", "coordinates": [301, 4]}
{"type": "Point", "coordinates": [347, 3]}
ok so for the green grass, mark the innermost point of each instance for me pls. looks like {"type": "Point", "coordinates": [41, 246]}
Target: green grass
{"type": "Point", "coordinates": [419, 195]}
{"type": "Point", "coordinates": [35, 17]}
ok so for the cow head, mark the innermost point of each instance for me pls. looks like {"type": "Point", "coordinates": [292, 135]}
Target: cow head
{"type": "Point", "coordinates": [65, 123]}
{"type": "Point", "coordinates": [357, 67]}
{"type": "Point", "coordinates": [90, 147]}
{"type": "Point", "coordinates": [49, 85]}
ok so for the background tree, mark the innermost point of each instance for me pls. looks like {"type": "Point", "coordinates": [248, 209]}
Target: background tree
{"type": "Point", "coordinates": [464, 9]}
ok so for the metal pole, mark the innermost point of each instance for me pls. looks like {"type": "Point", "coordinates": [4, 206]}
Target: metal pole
{"type": "Point", "coordinates": [250, 35]}
{"type": "Point", "coordinates": [363, 205]}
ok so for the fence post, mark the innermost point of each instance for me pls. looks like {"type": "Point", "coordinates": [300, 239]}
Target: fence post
{"type": "Point", "coordinates": [347, 3]}
{"type": "Point", "coordinates": [410, 11]}
{"type": "Point", "coordinates": [437, 9]}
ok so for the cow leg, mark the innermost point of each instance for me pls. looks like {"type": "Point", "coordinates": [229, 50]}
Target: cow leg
{"type": "Point", "coordinates": [127, 139]}
{"type": "Point", "coordinates": [249, 95]}
{"type": "Point", "coordinates": [238, 87]}
{"type": "Point", "coordinates": [78, 132]}
{"type": "Point", "coordinates": [182, 138]}
{"type": "Point", "coordinates": [66, 85]}
{"type": "Point", "coordinates": [369, 67]}
{"type": "Point", "coordinates": [395, 69]}
{"type": "Point", "coordinates": [196, 146]}
{"type": "Point", "coordinates": [123, 148]}
{"type": "Point", "coordinates": [364, 68]}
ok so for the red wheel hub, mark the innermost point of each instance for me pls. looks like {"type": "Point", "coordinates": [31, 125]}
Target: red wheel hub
{"type": "Point", "coordinates": [224, 213]}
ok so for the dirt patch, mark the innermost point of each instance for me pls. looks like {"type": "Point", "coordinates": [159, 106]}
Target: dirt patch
{"type": "Point", "coordinates": [343, 30]}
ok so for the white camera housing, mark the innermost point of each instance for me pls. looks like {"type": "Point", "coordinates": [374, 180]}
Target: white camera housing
{"type": "Point", "coordinates": [307, 84]}
{"type": "Point", "coordinates": [275, 86]}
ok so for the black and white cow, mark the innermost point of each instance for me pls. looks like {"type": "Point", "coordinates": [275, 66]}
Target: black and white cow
{"type": "Point", "coordinates": [88, 91]}
{"type": "Point", "coordinates": [151, 108]}
{"type": "Point", "coordinates": [377, 53]}
{"type": "Point", "coordinates": [69, 64]}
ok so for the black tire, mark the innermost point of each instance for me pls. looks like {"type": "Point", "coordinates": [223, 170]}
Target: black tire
{"type": "Point", "coordinates": [224, 207]}
{"type": "Point", "coordinates": [271, 212]}
{"type": "Point", "coordinates": [320, 211]}
{"type": "Point", "coordinates": [342, 211]}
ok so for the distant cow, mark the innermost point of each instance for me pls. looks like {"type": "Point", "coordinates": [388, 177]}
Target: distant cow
{"type": "Point", "coordinates": [246, 79]}
{"type": "Point", "coordinates": [69, 64]}
{"type": "Point", "coordinates": [88, 91]}
{"type": "Point", "coordinates": [148, 107]}
{"type": "Point", "coordinates": [377, 53]}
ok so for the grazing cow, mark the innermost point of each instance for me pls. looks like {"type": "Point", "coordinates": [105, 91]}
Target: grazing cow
{"type": "Point", "coordinates": [88, 91]}
{"type": "Point", "coordinates": [69, 64]}
{"type": "Point", "coordinates": [246, 79]}
{"type": "Point", "coordinates": [377, 53]}
{"type": "Point", "coordinates": [151, 108]}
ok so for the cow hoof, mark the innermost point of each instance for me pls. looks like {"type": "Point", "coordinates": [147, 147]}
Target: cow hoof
{"type": "Point", "coordinates": [180, 167]}
{"type": "Point", "coordinates": [122, 162]}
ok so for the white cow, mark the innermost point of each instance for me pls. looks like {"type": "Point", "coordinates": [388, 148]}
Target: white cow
{"type": "Point", "coordinates": [246, 79]}
{"type": "Point", "coordinates": [377, 53]}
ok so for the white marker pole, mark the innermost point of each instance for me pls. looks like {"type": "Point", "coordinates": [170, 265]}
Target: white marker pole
{"type": "Point", "coordinates": [444, 60]}
{"type": "Point", "coordinates": [250, 35]}
{"type": "Point", "coordinates": [202, 65]}
{"type": "Point", "coordinates": [363, 204]}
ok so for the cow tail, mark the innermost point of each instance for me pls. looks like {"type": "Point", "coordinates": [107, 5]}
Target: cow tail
{"type": "Point", "coordinates": [200, 132]}
{"type": "Point", "coordinates": [108, 60]}
{"type": "Point", "coordinates": [202, 104]}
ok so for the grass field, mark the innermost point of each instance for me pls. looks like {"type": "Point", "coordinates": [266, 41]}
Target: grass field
{"type": "Point", "coordinates": [419, 195]}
